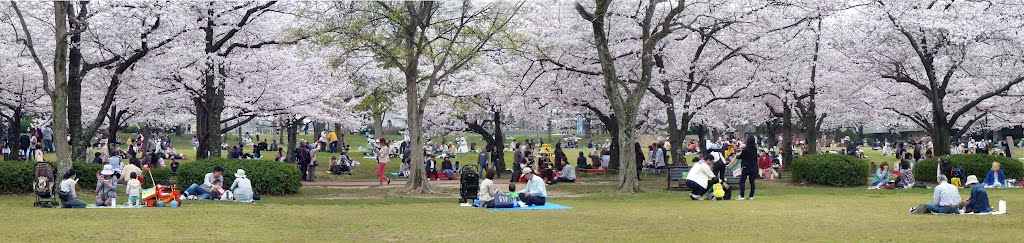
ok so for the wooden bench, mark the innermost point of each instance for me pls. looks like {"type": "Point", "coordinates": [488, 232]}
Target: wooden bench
{"type": "Point", "coordinates": [675, 180]}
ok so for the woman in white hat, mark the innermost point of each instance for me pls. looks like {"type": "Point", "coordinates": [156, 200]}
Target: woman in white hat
{"type": "Point", "coordinates": [242, 187]}
{"type": "Point", "coordinates": [978, 202]}
{"type": "Point", "coordinates": [106, 187]}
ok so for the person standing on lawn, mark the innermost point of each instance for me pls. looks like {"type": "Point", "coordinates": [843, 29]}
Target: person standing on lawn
{"type": "Point", "coordinates": [382, 160]}
{"type": "Point", "coordinates": [332, 139]}
{"type": "Point", "coordinates": [749, 167]}
{"type": "Point", "coordinates": [302, 159]}
{"type": "Point", "coordinates": [945, 199]}
{"type": "Point", "coordinates": [311, 171]}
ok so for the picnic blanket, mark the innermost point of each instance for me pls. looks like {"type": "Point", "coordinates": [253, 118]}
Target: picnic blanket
{"type": "Point", "coordinates": [546, 206]}
{"type": "Point", "coordinates": [115, 206]}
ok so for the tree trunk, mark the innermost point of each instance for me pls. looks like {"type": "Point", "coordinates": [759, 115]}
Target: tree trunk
{"type": "Point", "coordinates": [675, 137]}
{"type": "Point", "coordinates": [292, 126]}
{"type": "Point", "coordinates": [113, 125]}
{"type": "Point", "coordinates": [499, 144]}
{"type": "Point", "coordinates": [787, 136]}
{"type": "Point", "coordinates": [78, 136]}
{"type": "Point", "coordinates": [378, 126]}
{"type": "Point", "coordinates": [14, 132]}
{"type": "Point", "coordinates": [628, 178]}
{"type": "Point", "coordinates": [317, 129]}
{"type": "Point", "coordinates": [772, 129]}
{"type": "Point", "coordinates": [59, 99]}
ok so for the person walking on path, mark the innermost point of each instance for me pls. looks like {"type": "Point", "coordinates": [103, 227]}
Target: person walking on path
{"type": "Point", "coordinates": [382, 160]}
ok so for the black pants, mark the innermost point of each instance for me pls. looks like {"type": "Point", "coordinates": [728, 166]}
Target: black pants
{"type": "Point", "coordinates": [561, 179]}
{"type": "Point", "coordinates": [695, 188]}
{"type": "Point", "coordinates": [752, 175]}
{"type": "Point", "coordinates": [432, 172]}
{"type": "Point", "coordinates": [303, 168]}
{"type": "Point", "coordinates": [532, 200]}
{"type": "Point", "coordinates": [333, 148]}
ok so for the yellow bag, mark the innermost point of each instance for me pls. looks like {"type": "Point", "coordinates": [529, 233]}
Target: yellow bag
{"type": "Point", "coordinates": [719, 192]}
{"type": "Point", "coordinates": [956, 182]}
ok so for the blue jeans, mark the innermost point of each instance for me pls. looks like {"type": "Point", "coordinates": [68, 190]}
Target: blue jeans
{"type": "Point", "coordinates": [940, 209]}
{"type": "Point", "coordinates": [74, 203]}
{"type": "Point", "coordinates": [448, 172]}
{"type": "Point", "coordinates": [196, 190]}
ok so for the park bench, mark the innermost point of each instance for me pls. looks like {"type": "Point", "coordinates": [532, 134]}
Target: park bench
{"type": "Point", "coordinates": [677, 182]}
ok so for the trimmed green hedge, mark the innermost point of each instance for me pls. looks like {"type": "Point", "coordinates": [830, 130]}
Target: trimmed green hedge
{"type": "Point", "coordinates": [268, 177]}
{"type": "Point", "coordinates": [974, 164]}
{"type": "Point", "coordinates": [16, 176]}
{"type": "Point", "coordinates": [831, 169]}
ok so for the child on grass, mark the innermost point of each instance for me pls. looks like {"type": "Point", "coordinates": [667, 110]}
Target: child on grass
{"type": "Point", "coordinates": [133, 189]}
{"type": "Point", "coordinates": [218, 192]}
{"type": "Point", "coordinates": [512, 191]}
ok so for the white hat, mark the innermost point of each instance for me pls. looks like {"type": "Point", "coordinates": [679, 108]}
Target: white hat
{"type": "Point", "coordinates": [107, 170]}
{"type": "Point", "coordinates": [971, 179]}
{"type": "Point", "coordinates": [526, 170]}
{"type": "Point", "coordinates": [240, 173]}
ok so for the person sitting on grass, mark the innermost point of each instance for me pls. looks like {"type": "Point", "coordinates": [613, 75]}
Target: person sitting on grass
{"type": "Point", "coordinates": [945, 199]}
{"type": "Point", "coordinates": [487, 190]}
{"type": "Point", "coordinates": [512, 191]}
{"type": "Point", "coordinates": [567, 174]}
{"type": "Point", "coordinates": [906, 177]}
{"type": "Point", "coordinates": [195, 192]}
{"type": "Point", "coordinates": [699, 177]}
{"type": "Point", "coordinates": [106, 187]}
{"type": "Point", "coordinates": [881, 177]}
{"type": "Point", "coordinates": [68, 197]}
{"type": "Point", "coordinates": [995, 177]}
{"type": "Point", "coordinates": [242, 187]}
{"type": "Point", "coordinates": [535, 193]}
{"type": "Point", "coordinates": [978, 202]}
{"type": "Point", "coordinates": [174, 166]}
{"type": "Point", "coordinates": [218, 192]}
{"type": "Point", "coordinates": [96, 158]}
{"type": "Point", "coordinates": [581, 162]}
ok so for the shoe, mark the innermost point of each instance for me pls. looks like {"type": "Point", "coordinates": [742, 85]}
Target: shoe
{"type": "Point", "coordinates": [694, 197]}
{"type": "Point", "coordinates": [740, 199]}
{"type": "Point", "coordinates": [912, 209]}
{"type": "Point", "coordinates": [389, 181]}
{"type": "Point", "coordinates": [750, 198]}
{"type": "Point", "coordinates": [182, 198]}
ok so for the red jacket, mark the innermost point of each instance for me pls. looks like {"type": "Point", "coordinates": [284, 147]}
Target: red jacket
{"type": "Point", "coordinates": [764, 162]}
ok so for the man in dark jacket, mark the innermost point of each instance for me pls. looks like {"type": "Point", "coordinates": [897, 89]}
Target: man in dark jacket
{"type": "Point", "coordinates": [302, 158]}
{"type": "Point", "coordinates": [25, 143]}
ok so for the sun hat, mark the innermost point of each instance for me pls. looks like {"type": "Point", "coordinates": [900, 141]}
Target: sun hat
{"type": "Point", "coordinates": [107, 170]}
{"type": "Point", "coordinates": [526, 170]}
{"type": "Point", "coordinates": [240, 173]}
{"type": "Point", "coordinates": [971, 180]}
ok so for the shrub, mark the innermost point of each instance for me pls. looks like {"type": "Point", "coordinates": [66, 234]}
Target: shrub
{"type": "Point", "coordinates": [16, 176]}
{"type": "Point", "coordinates": [830, 169]}
{"type": "Point", "coordinates": [268, 177]}
{"type": "Point", "coordinates": [974, 164]}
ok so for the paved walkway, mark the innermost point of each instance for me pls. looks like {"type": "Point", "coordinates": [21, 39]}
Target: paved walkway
{"type": "Point", "coordinates": [367, 183]}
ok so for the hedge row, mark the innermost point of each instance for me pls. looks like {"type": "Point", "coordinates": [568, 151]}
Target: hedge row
{"type": "Point", "coordinates": [974, 164]}
{"type": "Point", "coordinates": [268, 177]}
{"type": "Point", "coordinates": [831, 169]}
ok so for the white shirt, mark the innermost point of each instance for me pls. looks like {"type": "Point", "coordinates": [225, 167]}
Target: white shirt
{"type": "Point", "coordinates": [536, 187]}
{"type": "Point", "coordinates": [700, 173]}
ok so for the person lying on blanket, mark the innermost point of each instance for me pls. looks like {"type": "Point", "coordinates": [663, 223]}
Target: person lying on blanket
{"type": "Point", "coordinates": [535, 193]}
{"type": "Point", "coordinates": [978, 202]}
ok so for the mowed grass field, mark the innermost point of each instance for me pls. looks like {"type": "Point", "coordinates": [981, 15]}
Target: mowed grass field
{"type": "Point", "coordinates": [782, 212]}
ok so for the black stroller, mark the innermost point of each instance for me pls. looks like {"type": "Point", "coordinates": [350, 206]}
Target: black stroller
{"type": "Point", "coordinates": [470, 183]}
{"type": "Point", "coordinates": [44, 186]}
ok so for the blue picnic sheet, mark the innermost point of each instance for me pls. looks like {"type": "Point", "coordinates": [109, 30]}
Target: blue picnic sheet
{"type": "Point", "coordinates": [547, 206]}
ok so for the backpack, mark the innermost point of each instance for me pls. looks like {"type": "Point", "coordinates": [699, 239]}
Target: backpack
{"type": "Point", "coordinates": [503, 201]}
{"type": "Point", "coordinates": [719, 191]}
{"type": "Point", "coordinates": [959, 172]}
{"type": "Point", "coordinates": [946, 166]}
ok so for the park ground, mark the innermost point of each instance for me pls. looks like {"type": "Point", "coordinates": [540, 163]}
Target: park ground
{"type": "Point", "coordinates": [782, 211]}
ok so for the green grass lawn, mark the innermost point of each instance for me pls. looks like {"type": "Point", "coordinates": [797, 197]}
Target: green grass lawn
{"type": "Point", "coordinates": [781, 212]}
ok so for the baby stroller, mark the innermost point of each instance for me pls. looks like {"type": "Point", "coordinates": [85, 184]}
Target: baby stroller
{"type": "Point", "coordinates": [44, 186]}
{"type": "Point", "coordinates": [470, 183]}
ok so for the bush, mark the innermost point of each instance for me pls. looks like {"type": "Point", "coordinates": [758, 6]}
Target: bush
{"type": "Point", "coordinates": [831, 169]}
{"type": "Point", "coordinates": [974, 164]}
{"type": "Point", "coordinates": [16, 176]}
{"type": "Point", "coordinates": [268, 177]}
